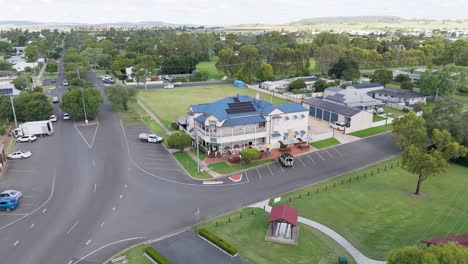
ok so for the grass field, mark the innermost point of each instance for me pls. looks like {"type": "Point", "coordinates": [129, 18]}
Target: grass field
{"type": "Point", "coordinates": [248, 236]}
{"type": "Point", "coordinates": [136, 115]}
{"type": "Point", "coordinates": [461, 97]}
{"type": "Point", "coordinates": [325, 143]}
{"type": "Point", "coordinates": [190, 165]}
{"type": "Point", "coordinates": [135, 255]}
{"type": "Point", "coordinates": [372, 131]}
{"type": "Point", "coordinates": [49, 75]}
{"type": "Point", "coordinates": [313, 67]}
{"type": "Point", "coordinates": [224, 168]}
{"type": "Point", "coordinates": [380, 212]}
{"type": "Point", "coordinates": [201, 156]}
{"type": "Point", "coordinates": [393, 85]}
{"type": "Point", "coordinates": [210, 67]}
{"type": "Point", "coordinates": [393, 112]}
{"type": "Point", "coordinates": [377, 118]}
{"type": "Point", "coordinates": [170, 104]}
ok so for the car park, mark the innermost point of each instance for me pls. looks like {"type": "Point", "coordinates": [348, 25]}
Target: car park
{"type": "Point", "coordinates": [55, 99]}
{"type": "Point", "coordinates": [66, 116]}
{"type": "Point", "coordinates": [19, 154]}
{"type": "Point", "coordinates": [27, 138]}
{"type": "Point", "coordinates": [53, 118]}
{"type": "Point", "coordinates": [65, 83]}
{"type": "Point", "coordinates": [8, 203]}
{"type": "Point", "coordinates": [338, 125]}
{"type": "Point", "coordinates": [11, 194]}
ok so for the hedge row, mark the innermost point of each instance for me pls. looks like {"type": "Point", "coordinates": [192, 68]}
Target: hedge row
{"type": "Point", "coordinates": [156, 256]}
{"type": "Point", "coordinates": [218, 241]}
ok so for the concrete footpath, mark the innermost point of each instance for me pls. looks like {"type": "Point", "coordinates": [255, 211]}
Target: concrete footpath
{"type": "Point", "coordinates": [352, 250]}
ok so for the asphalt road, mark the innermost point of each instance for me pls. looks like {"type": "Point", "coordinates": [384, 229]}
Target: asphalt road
{"type": "Point", "coordinates": [191, 84]}
{"type": "Point", "coordinates": [91, 191]}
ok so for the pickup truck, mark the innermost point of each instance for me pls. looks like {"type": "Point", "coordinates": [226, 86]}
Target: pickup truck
{"type": "Point", "coordinates": [151, 138]}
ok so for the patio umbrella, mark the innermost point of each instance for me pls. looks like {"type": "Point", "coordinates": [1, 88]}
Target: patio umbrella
{"type": "Point", "coordinates": [268, 146]}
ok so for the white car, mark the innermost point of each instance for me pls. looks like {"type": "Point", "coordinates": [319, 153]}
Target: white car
{"type": "Point", "coordinates": [53, 118]}
{"type": "Point", "coordinates": [338, 125]}
{"type": "Point", "coordinates": [169, 86]}
{"type": "Point", "coordinates": [105, 77]}
{"type": "Point", "coordinates": [177, 84]}
{"type": "Point", "coordinates": [20, 154]}
{"type": "Point", "coordinates": [65, 83]}
{"type": "Point", "coordinates": [55, 100]}
{"type": "Point", "coordinates": [11, 193]}
{"type": "Point", "coordinates": [66, 116]}
{"type": "Point", "coordinates": [26, 139]}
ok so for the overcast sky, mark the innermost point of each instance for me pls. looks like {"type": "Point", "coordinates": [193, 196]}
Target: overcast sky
{"type": "Point", "coordinates": [223, 12]}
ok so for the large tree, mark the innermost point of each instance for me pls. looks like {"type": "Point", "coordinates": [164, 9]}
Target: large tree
{"type": "Point", "coordinates": [265, 72]}
{"type": "Point", "coordinates": [120, 95]}
{"type": "Point", "coordinates": [327, 56]}
{"type": "Point", "coordinates": [444, 82]}
{"type": "Point", "coordinates": [72, 102]}
{"type": "Point", "coordinates": [93, 55]}
{"type": "Point", "coordinates": [32, 107]}
{"type": "Point", "coordinates": [448, 253]}
{"type": "Point", "coordinates": [382, 76]}
{"type": "Point", "coordinates": [346, 68]}
{"type": "Point", "coordinates": [144, 69]}
{"type": "Point", "coordinates": [224, 59]}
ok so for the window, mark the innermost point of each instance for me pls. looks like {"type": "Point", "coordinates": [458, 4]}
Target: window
{"type": "Point", "coordinates": [261, 124]}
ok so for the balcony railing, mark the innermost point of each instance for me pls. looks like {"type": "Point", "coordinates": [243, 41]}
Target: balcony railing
{"type": "Point", "coordinates": [223, 133]}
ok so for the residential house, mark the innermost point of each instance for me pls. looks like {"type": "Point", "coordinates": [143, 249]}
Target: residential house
{"type": "Point", "coordinates": [282, 86]}
{"type": "Point", "coordinates": [332, 91]}
{"type": "Point", "coordinates": [244, 121]}
{"type": "Point", "coordinates": [399, 96]}
{"type": "Point", "coordinates": [355, 96]}
{"type": "Point", "coordinates": [8, 89]}
{"type": "Point", "coordinates": [332, 111]}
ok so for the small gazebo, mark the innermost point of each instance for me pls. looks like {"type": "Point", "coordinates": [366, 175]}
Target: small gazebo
{"type": "Point", "coordinates": [283, 224]}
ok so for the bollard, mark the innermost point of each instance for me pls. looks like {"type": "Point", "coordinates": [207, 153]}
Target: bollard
{"type": "Point", "coordinates": [251, 212]}
{"type": "Point", "coordinates": [229, 219]}
{"type": "Point", "coordinates": [334, 185]}
{"type": "Point", "coordinates": [240, 216]}
{"type": "Point", "coordinates": [299, 196]}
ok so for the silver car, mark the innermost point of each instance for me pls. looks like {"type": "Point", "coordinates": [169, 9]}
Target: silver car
{"type": "Point", "coordinates": [20, 154]}
{"type": "Point", "coordinates": [11, 193]}
{"type": "Point", "coordinates": [26, 139]}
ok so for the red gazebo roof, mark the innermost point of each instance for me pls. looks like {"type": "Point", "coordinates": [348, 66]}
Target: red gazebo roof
{"type": "Point", "coordinates": [284, 212]}
{"type": "Point", "coordinates": [462, 240]}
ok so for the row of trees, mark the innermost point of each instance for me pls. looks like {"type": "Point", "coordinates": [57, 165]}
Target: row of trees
{"type": "Point", "coordinates": [29, 106]}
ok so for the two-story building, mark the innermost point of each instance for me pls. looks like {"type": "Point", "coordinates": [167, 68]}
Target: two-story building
{"type": "Point", "coordinates": [243, 121]}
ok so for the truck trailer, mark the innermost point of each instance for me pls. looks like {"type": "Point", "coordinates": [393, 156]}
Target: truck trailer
{"type": "Point", "coordinates": [36, 128]}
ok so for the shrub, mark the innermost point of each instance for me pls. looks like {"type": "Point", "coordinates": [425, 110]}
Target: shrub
{"type": "Point", "coordinates": [218, 241]}
{"type": "Point", "coordinates": [408, 85]}
{"type": "Point", "coordinates": [249, 154]}
{"type": "Point", "coordinates": [297, 84]}
{"type": "Point", "coordinates": [179, 140]}
{"type": "Point", "coordinates": [51, 67]}
{"type": "Point", "coordinates": [402, 78]}
{"type": "Point", "coordinates": [180, 79]}
{"type": "Point", "coordinates": [156, 256]}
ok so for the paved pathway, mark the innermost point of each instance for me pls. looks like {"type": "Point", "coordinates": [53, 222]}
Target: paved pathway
{"type": "Point", "coordinates": [205, 167]}
{"type": "Point", "coordinates": [353, 251]}
{"type": "Point", "coordinates": [343, 138]}
{"type": "Point", "coordinates": [154, 117]}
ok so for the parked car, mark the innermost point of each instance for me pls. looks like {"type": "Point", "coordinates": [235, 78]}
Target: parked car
{"type": "Point", "coordinates": [108, 81]}
{"type": "Point", "coordinates": [152, 138]}
{"type": "Point", "coordinates": [286, 159]}
{"type": "Point", "coordinates": [177, 84]}
{"type": "Point", "coordinates": [169, 86]}
{"type": "Point", "coordinates": [8, 203]}
{"type": "Point", "coordinates": [105, 77]}
{"type": "Point", "coordinates": [338, 125]}
{"type": "Point", "coordinates": [20, 154]}
{"type": "Point", "coordinates": [53, 81]}
{"type": "Point", "coordinates": [12, 194]}
{"type": "Point", "coordinates": [27, 138]}
{"type": "Point", "coordinates": [65, 83]}
{"type": "Point", "coordinates": [53, 118]}
{"type": "Point", "coordinates": [55, 100]}
{"type": "Point", "coordinates": [66, 116]}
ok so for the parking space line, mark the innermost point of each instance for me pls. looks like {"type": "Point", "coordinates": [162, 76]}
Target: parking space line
{"type": "Point", "coordinates": [16, 243]}
{"type": "Point", "coordinates": [329, 154]}
{"type": "Point", "coordinates": [341, 154]}
{"type": "Point", "coordinates": [95, 186]}
{"type": "Point", "coordinates": [89, 241]}
{"type": "Point", "coordinates": [268, 166]}
{"type": "Point", "coordinates": [281, 167]}
{"type": "Point", "coordinates": [311, 159]}
{"type": "Point", "coordinates": [73, 227]}
{"type": "Point", "coordinates": [299, 158]}
{"type": "Point", "coordinates": [259, 173]}
{"type": "Point", "coordinates": [6, 214]}
{"type": "Point", "coordinates": [33, 225]}
{"type": "Point", "coordinates": [320, 155]}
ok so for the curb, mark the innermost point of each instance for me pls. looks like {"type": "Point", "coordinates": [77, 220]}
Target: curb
{"type": "Point", "coordinates": [122, 251]}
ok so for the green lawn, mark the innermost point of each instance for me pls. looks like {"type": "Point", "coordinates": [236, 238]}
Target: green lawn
{"type": "Point", "coordinates": [190, 165]}
{"type": "Point", "coordinates": [372, 131]}
{"type": "Point", "coordinates": [313, 67]}
{"type": "Point", "coordinates": [201, 156]}
{"type": "Point", "coordinates": [224, 168]}
{"type": "Point", "coordinates": [136, 115]}
{"type": "Point", "coordinates": [248, 236]}
{"type": "Point", "coordinates": [393, 112]}
{"type": "Point", "coordinates": [377, 118]}
{"type": "Point", "coordinates": [325, 143]}
{"type": "Point", "coordinates": [209, 66]}
{"type": "Point", "coordinates": [49, 75]}
{"type": "Point", "coordinates": [135, 255]}
{"type": "Point", "coordinates": [461, 97]}
{"type": "Point", "coordinates": [465, 107]}
{"type": "Point", "coordinates": [379, 212]}
{"type": "Point", "coordinates": [170, 104]}
{"type": "Point", "coordinates": [392, 85]}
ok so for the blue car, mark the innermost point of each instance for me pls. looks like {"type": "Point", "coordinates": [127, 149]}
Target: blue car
{"type": "Point", "coordinates": [8, 203]}
{"type": "Point", "coordinates": [53, 81]}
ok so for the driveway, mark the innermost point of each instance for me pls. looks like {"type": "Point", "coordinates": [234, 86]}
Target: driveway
{"type": "Point", "coordinates": [187, 247]}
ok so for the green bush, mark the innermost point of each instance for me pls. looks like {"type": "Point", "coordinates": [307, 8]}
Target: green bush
{"type": "Point", "coordinates": [156, 256]}
{"type": "Point", "coordinates": [180, 79]}
{"type": "Point", "coordinates": [51, 67]}
{"type": "Point", "coordinates": [218, 241]}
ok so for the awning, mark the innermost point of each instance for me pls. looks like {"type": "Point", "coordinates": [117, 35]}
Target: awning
{"type": "Point", "coordinates": [296, 132]}
{"type": "Point", "coordinates": [276, 135]}
{"type": "Point", "coordinates": [288, 141]}
{"type": "Point", "coordinates": [285, 134]}
{"type": "Point", "coordinates": [286, 117]}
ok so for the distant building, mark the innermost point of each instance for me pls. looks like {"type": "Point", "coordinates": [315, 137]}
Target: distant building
{"type": "Point", "coordinates": [355, 96]}
{"type": "Point", "coordinates": [282, 86]}
{"type": "Point", "coordinates": [8, 89]}
{"type": "Point", "coordinates": [399, 96]}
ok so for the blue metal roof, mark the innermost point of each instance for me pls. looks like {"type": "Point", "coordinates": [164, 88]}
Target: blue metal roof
{"type": "Point", "coordinates": [201, 119]}
{"type": "Point", "coordinates": [367, 85]}
{"type": "Point", "coordinates": [276, 134]}
{"type": "Point", "coordinates": [334, 89]}
{"type": "Point", "coordinates": [244, 120]}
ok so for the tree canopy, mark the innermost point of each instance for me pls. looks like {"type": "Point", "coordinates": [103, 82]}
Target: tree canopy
{"type": "Point", "coordinates": [120, 95]}
{"type": "Point", "coordinates": [179, 140]}
{"type": "Point", "coordinates": [72, 102]}
{"type": "Point", "coordinates": [448, 253]}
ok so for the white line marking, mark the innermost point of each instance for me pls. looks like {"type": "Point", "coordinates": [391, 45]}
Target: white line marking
{"type": "Point", "coordinates": [35, 210]}
{"type": "Point", "coordinates": [73, 227]}
{"type": "Point", "coordinates": [329, 154]}
{"type": "Point", "coordinates": [32, 226]}
{"type": "Point", "coordinates": [268, 166]}
{"type": "Point", "coordinates": [320, 155]}
{"type": "Point", "coordinates": [16, 243]}
{"type": "Point", "coordinates": [102, 224]}
{"type": "Point", "coordinates": [71, 261]}
{"type": "Point", "coordinates": [7, 214]}
{"type": "Point", "coordinates": [108, 245]}
{"type": "Point", "coordinates": [121, 196]}
{"type": "Point", "coordinates": [45, 209]}
{"type": "Point", "coordinates": [94, 190]}
{"type": "Point", "coordinates": [259, 173]}
{"type": "Point", "coordinates": [94, 164]}
{"type": "Point", "coordinates": [338, 152]}
{"type": "Point", "coordinates": [94, 136]}
{"type": "Point", "coordinates": [113, 208]}
{"type": "Point", "coordinates": [281, 167]}
{"type": "Point", "coordinates": [299, 158]}
{"type": "Point", "coordinates": [311, 159]}
{"type": "Point", "coordinates": [87, 243]}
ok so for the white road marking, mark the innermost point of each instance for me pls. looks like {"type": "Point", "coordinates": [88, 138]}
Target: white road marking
{"type": "Point", "coordinates": [338, 152]}
{"type": "Point", "coordinates": [121, 196]}
{"type": "Point", "coordinates": [299, 158]}
{"type": "Point", "coordinates": [113, 208]}
{"type": "Point", "coordinates": [45, 209]}
{"type": "Point", "coordinates": [94, 164]}
{"type": "Point", "coordinates": [87, 242]}
{"type": "Point", "coordinates": [329, 154]}
{"type": "Point", "coordinates": [268, 166]}
{"type": "Point", "coordinates": [311, 159]}
{"type": "Point", "coordinates": [108, 245]}
{"type": "Point", "coordinates": [125, 185]}
{"type": "Point", "coordinates": [281, 167]}
{"type": "Point", "coordinates": [73, 227]}
{"type": "Point", "coordinates": [259, 173]}
{"type": "Point", "coordinates": [32, 226]}
{"type": "Point", "coordinates": [16, 243]}
{"type": "Point", "coordinates": [102, 224]}
{"type": "Point", "coordinates": [94, 136]}
{"type": "Point", "coordinates": [71, 261]}
{"type": "Point", "coordinates": [320, 155]}
{"type": "Point", "coordinates": [95, 186]}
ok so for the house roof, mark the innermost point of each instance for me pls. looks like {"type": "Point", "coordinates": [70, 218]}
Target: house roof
{"type": "Point", "coordinates": [283, 212]}
{"type": "Point", "coordinates": [332, 106]}
{"type": "Point", "coordinates": [243, 120]}
{"type": "Point", "coordinates": [336, 97]}
{"type": "Point", "coordinates": [334, 89]}
{"type": "Point", "coordinates": [402, 93]}
{"type": "Point", "coordinates": [461, 239]}
{"type": "Point", "coordinates": [309, 78]}
{"type": "Point", "coordinates": [367, 85]}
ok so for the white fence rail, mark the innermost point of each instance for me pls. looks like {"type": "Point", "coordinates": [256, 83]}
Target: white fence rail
{"type": "Point", "coordinates": [296, 98]}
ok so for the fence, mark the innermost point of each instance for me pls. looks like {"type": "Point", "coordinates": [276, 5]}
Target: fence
{"type": "Point", "coordinates": [292, 98]}
{"type": "Point", "coordinates": [399, 106]}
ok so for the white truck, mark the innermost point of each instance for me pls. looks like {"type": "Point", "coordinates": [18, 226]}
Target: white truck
{"type": "Point", "coordinates": [151, 138]}
{"type": "Point", "coordinates": [36, 128]}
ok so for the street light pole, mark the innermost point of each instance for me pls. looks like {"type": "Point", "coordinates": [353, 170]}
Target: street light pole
{"type": "Point", "coordinates": [13, 107]}
{"type": "Point", "coordinates": [84, 106]}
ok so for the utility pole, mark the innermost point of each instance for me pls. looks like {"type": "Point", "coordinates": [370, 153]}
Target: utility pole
{"type": "Point", "coordinates": [13, 107]}
{"type": "Point", "coordinates": [198, 150]}
{"type": "Point", "coordinates": [84, 106]}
